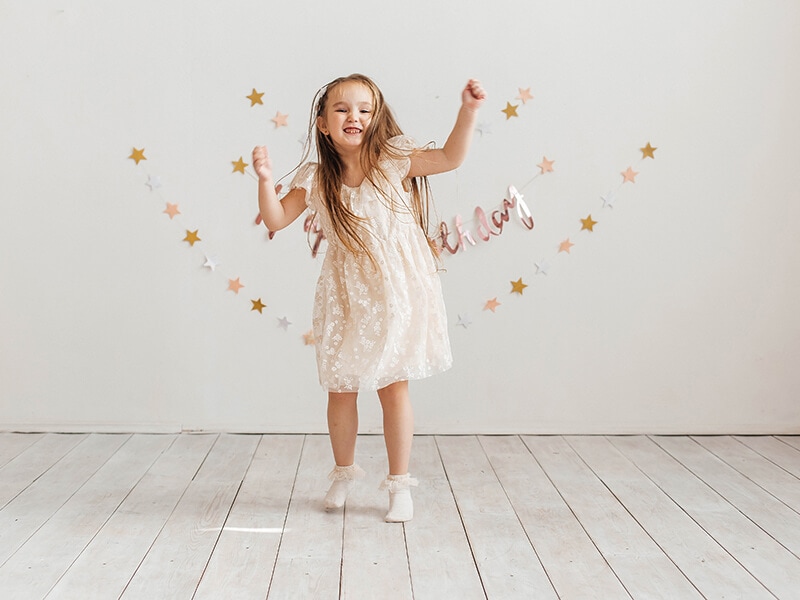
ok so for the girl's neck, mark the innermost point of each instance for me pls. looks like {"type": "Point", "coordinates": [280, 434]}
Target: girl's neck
{"type": "Point", "coordinates": [353, 173]}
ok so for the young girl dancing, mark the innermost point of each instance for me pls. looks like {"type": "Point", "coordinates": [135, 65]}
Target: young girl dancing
{"type": "Point", "coordinates": [379, 318]}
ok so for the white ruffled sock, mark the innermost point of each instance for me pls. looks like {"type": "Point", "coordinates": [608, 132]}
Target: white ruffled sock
{"type": "Point", "coordinates": [401, 507]}
{"type": "Point", "coordinates": [342, 478]}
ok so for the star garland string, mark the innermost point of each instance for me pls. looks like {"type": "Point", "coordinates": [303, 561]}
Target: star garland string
{"type": "Point", "coordinates": [192, 236]}
{"type": "Point", "coordinates": [542, 266]}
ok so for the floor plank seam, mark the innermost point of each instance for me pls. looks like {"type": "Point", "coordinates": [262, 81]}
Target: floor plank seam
{"type": "Point", "coordinates": [734, 506]}
{"type": "Point", "coordinates": [286, 516]}
{"type": "Point", "coordinates": [767, 458]}
{"type": "Point", "coordinates": [516, 514]}
{"type": "Point", "coordinates": [110, 515]}
{"type": "Point", "coordinates": [167, 518]}
{"type": "Point", "coordinates": [461, 518]}
{"type": "Point", "coordinates": [580, 523]}
{"type": "Point", "coordinates": [219, 533]}
{"type": "Point", "coordinates": [632, 516]}
{"type": "Point", "coordinates": [686, 512]}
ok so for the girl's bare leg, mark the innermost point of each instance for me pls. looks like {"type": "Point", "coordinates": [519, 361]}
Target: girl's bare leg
{"type": "Point", "coordinates": [343, 429]}
{"type": "Point", "coordinates": [398, 425]}
{"type": "Point", "coordinates": [343, 426]}
{"type": "Point", "coordinates": [398, 432]}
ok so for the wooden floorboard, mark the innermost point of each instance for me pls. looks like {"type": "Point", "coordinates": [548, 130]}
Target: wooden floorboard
{"type": "Point", "coordinates": [496, 517]}
{"type": "Point", "coordinates": [769, 562]}
{"type": "Point", "coordinates": [641, 565]}
{"type": "Point", "coordinates": [506, 560]}
{"type": "Point", "coordinates": [244, 556]}
{"type": "Point", "coordinates": [110, 560]}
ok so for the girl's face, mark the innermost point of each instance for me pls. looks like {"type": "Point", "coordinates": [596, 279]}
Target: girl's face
{"type": "Point", "coordinates": [347, 115]}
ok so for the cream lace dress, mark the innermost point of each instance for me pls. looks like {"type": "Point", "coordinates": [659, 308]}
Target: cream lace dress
{"type": "Point", "coordinates": [376, 326]}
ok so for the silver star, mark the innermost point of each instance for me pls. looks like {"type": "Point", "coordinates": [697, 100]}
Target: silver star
{"type": "Point", "coordinates": [153, 182]}
{"type": "Point", "coordinates": [212, 262]}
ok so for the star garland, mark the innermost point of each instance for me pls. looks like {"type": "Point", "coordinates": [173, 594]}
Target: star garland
{"type": "Point", "coordinates": [541, 266]}
{"type": "Point", "coordinates": [544, 264]}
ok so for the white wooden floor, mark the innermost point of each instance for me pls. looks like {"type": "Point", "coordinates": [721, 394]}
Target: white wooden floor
{"type": "Point", "coordinates": [502, 517]}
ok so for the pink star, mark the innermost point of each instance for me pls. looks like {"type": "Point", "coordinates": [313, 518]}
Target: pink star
{"type": "Point", "coordinates": [629, 175]}
{"type": "Point", "coordinates": [546, 165]}
{"type": "Point", "coordinates": [525, 95]}
{"type": "Point", "coordinates": [172, 210]}
{"type": "Point", "coordinates": [280, 120]}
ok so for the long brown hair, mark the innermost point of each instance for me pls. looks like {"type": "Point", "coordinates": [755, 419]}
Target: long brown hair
{"type": "Point", "coordinates": [348, 226]}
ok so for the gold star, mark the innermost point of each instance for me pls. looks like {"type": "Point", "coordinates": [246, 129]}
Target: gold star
{"type": "Point", "coordinates": [517, 286]}
{"type": "Point", "coordinates": [138, 155]}
{"type": "Point", "coordinates": [629, 175]}
{"type": "Point", "coordinates": [525, 95]}
{"type": "Point", "coordinates": [234, 285]}
{"type": "Point", "coordinates": [491, 304]}
{"type": "Point", "coordinates": [258, 305]}
{"type": "Point", "coordinates": [172, 210]}
{"type": "Point", "coordinates": [280, 120]}
{"type": "Point", "coordinates": [510, 110]}
{"type": "Point", "coordinates": [238, 165]}
{"type": "Point", "coordinates": [308, 338]}
{"type": "Point", "coordinates": [191, 237]}
{"type": "Point", "coordinates": [588, 223]}
{"type": "Point", "coordinates": [566, 245]}
{"type": "Point", "coordinates": [546, 165]}
{"type": "Point", "coordinates": [648, 151]}
{"type": "Point", "coordinates": [255, 97]}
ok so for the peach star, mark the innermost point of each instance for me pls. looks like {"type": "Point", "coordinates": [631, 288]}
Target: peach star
{"type": "Point", "coordinates": [565, 246]}
{"type": "Point", "coordinates": [235, 285]}
{"type": "Point", "coordinates": [258, 305]}
{"type": "Point", "coordinates": [525, 95]}
{"type": "Point", "coordinates": [280, 120]}
{"type": "Point", "coordinates": [255, 97]}
{"type": "Point", "coordinates": [587, 223]}
{"type": "Point", "coordinates": [517, 286]}
{"type": "Point", "coordinates": [629, 175]}
{"type": "Point", "coordinates": [192, 237]}
{"type": "Point", "coordinates": [491, 304]}
{"type": "Point", "coordinates": [510, 110]}
{"type": "Point", "coordinates": [308, 338]}
{"type": "Point", "coordinates": [172, 210]}
{"type": "Point", "coordinates": [546, 165]}
{"type": "Point", "coordinates": [239, 166]}
{"type": "Point", "coordinates": [648, 151]}
{"type": "Point", "coordinates": [138, 155]}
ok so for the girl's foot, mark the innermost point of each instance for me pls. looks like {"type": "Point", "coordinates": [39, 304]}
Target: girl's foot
{"type": "Point", "coordinates": [342, 478]}
{"type": "Point", "coordinates": [401, 507]}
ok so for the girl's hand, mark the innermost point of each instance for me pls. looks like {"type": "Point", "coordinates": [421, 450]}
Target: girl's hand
{"type": "Point", "coordinates": [473, 95]}
{"type": "Point", "coordinates": [262, 164]}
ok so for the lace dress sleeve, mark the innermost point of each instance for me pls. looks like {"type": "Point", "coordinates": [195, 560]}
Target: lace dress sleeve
{"type": "Point", "coordinates": [404, 146]}
{"type": "Point", "coordinates": [304, 178]}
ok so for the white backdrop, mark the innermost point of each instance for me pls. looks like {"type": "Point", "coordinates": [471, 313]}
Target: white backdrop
{"type": "Point", "coordinates": [678, 313]}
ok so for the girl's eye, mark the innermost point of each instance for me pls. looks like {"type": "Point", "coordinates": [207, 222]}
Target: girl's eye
{"type": "Point", "coordinates": [364, 110]}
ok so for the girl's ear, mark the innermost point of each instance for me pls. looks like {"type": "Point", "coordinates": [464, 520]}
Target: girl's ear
{"type": "Point", "coordinates": [321, 125]}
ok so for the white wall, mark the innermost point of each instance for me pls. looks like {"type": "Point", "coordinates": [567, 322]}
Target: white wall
{"type": "Point", "coordinates": [677, 314]}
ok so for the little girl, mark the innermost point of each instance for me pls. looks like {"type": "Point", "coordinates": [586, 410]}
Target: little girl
{"type": "Point", "coordinates": [379, 318]}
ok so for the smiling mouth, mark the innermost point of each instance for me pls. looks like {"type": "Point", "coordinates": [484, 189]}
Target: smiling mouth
{"type": "Point", "coordinates": [352, 130]}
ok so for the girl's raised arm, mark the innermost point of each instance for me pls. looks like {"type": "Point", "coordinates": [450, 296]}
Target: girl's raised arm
{"type": "Point", "coordinates": [454, 151]}
{"type": "Point", "coordinates": [275, 213]}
